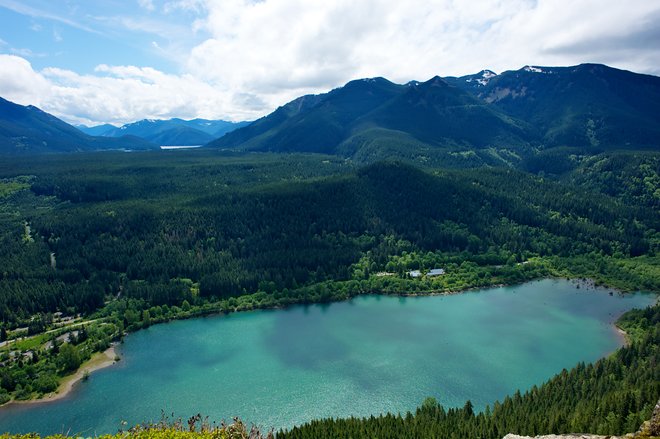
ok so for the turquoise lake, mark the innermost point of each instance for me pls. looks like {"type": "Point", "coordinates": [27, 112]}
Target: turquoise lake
{"type": "Point", "coordinates": [370, 355]}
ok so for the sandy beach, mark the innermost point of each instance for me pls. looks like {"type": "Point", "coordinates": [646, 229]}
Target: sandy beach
{"type": "Point", "coordinates": [623, 335]}
{"type": "Point", "coordinates": [98, 361]}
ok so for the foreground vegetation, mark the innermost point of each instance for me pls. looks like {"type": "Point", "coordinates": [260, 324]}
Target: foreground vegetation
{"type": "Point", "coordinates": [194, 428]}
{"type": "Point", "coordinates": [99, 245]}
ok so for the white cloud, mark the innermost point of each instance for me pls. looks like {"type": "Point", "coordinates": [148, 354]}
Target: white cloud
{"type": "Point", "coordinates": [21, 84]}
{"type": "Point", "coordinates": [280, 49]}
{"type": "Point", "coordinates": [147, 4]}
{"type": "Point", "coordinates": [115, 94]}
{"type": "Point", "coordinates": [262, 53]}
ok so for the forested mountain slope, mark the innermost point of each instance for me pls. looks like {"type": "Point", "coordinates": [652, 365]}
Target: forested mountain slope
{"type": "Point", "coordinates": [589, 105]}
{"type": "Point", "coordinates": [432, 113]}
{"type": "Point", "coordinates": [144, 232]}
{"type": "Point", "coordinates": [313, 123]}
{"type": "Point", "coordinates": [30, 130]}
{"type": "Point", "coordinates": [469, 121]}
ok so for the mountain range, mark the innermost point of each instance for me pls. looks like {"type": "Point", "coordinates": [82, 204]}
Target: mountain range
{"type": "Point", "coordinates": [480, 119]}
{"type": "Point", "coordinates": [485, 117]}
{"type": "Point", "coordinates": [27, 129]}
{"type": "Point", "coordinates": [168, 132]}
{"type": "Point", "coordinates": [589, 104]}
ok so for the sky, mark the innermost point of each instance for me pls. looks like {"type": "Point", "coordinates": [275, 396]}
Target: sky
{"type": "Point", "coordinates": [118, 61]}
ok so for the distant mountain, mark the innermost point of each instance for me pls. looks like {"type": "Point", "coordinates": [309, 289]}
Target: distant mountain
{"type": "Point", "coordinates": [216, 128]}
{"type": "Point", "coordinates": [313, 123]}
{"type": "Point", "coordinates": [31, 130]}
{"type": "Point", "coordinates": [169, 132]}
{"type": "Point", "coordinates": [589, 105]}
{"type": "Point", "coordinates": [97, 130]}
{"type": "Point", "coordinates": [477, 80]}
{"type": "Point", "coordinates": [483, 118]}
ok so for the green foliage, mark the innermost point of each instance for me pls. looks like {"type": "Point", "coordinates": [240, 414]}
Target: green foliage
{"type": "Point", "coordinates": [11, 186]}
{"type": "Point", "coordinates": [639, 322]}
{"type": "Point", "coordinates": [633, 177]}
{"type": "Point", "coordinates": [627, 274]}
{"type": "Point", "coordinates": [69, 358]}
{"type": "Point", "coordinates": [46, 383]}
{"type": "Point", "coordinates": [587, 106]}
{"type": "Point", "coordinates": [196, 427]}
{"type": "Point", "coordinates": [139, 239]}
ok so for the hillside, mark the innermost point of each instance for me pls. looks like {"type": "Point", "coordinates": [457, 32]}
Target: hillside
{"type": "Point", "coordinates": [250, 229]}
{"type": "Point", "coordinates": [31, 130]}
{"type": "Point", "coordinates": [474, 120]}
{"type": "Point", "coordinates": [438, 114]}
{"type": "Point", "coordinates": [379, 113]}
{"type": "Point", "coordinates": [589, 105]}
{"type": "Point", "coordinates": [313, 123]}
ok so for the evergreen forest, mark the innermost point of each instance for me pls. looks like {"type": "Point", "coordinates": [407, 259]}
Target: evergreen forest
{"type": "Point", "coordinates": [109, 243]}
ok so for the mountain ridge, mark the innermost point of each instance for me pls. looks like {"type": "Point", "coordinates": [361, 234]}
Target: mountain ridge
{"type": "Point", "coordinates": [586, 105]}
{"type": "Point", "coordinates": [28, 129]}
{"type": "Point", "coordinates": [173, 131]}
{"type": "Point", "coordinates": [473, 120]}
{"type": "Point", "coordinates": [515, 113]}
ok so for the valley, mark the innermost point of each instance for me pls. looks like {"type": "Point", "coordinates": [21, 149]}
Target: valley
{"type": "Point", "coordinates": [373, 193]}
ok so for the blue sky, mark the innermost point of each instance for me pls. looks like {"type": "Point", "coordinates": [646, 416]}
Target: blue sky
{"type": "Point", "coordinates": [79, 35]}
{"type": "Point", "coordinates": [120, 61]}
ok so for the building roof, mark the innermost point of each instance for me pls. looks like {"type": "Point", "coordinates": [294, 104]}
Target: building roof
{"type": "Point", "coordinates": [436, 272]}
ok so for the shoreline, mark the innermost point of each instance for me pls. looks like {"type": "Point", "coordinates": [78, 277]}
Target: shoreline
{"type": "Point", "coordinates": [101, 360]}
{"type": "Point", "coordinates": [623, 335]}
{"type": "Point", "coordinates": [98, 361]}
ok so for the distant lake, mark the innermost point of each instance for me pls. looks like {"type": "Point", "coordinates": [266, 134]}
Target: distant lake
{"type": "Point", "coordinates": [179, 146]}
{"type": "Point", "coordinates": [370, 355]}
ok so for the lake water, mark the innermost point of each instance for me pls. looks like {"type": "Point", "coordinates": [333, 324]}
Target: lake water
{"type": "Point", "coordinates": [370, 355]}
{"type": "Point", "coordinates": [179, 147]}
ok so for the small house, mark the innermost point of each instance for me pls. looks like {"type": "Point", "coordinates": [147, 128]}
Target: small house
{"type": "Point", "coordinates": [436, 272]}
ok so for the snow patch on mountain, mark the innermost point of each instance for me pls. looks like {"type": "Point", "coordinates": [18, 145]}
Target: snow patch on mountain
{"type": "Point", "coordinates": [482, 77]}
